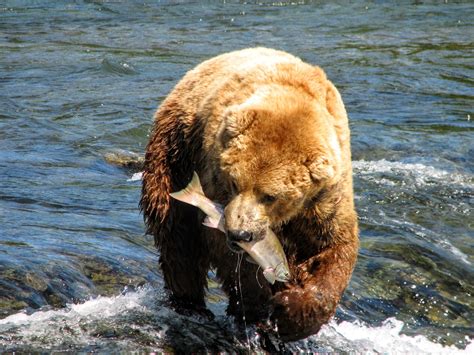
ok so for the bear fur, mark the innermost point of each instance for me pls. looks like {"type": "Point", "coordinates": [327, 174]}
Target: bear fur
{"type": "Point", "coordinates": [268, 135]}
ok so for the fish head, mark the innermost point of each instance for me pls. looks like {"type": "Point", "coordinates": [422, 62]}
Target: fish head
{"type": "Point", "coordinates": [282, 272]}
{"type": "Point", "coordinates": [270, 275]}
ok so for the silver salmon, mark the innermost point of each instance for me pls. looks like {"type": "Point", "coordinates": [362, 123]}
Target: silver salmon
{"type": "Point", "coordinates": [267, 252]}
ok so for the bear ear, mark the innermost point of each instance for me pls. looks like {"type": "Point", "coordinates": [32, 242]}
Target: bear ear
{"type": "Point", "coordinates": [320, 169]}
{"type": "Point", "coordinates": [235, 121]}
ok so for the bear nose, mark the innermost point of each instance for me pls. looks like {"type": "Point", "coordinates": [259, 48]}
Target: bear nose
{"type": "Point", "coordinates": [239, 236]}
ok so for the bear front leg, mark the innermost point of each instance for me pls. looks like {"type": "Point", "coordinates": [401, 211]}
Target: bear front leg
{"type": "Point", "coordinates": [183, 259]}
{"type": "Point", "coordinates": [304, 305]}
{"type": "Point", "coordinates": [170, 160]}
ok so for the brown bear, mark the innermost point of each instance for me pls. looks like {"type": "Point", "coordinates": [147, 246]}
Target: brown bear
{"type": "Point", "coordinates": [268, 135]}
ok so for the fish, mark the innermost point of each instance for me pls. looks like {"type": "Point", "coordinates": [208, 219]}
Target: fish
{"type": "Point", "coordinates": [267, 252]}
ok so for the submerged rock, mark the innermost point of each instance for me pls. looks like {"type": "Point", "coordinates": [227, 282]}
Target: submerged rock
{"type": "Point", "coordinates": [125, 159]}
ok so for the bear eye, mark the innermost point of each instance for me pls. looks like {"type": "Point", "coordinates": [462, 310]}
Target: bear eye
{"type": "Point", "coordinates": [234, 187]}
{"type": "Point", "coordinates": [267, 199]}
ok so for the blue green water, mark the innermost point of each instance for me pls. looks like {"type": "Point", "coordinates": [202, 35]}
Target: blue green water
{"type": "Point", "coordinates": [80, 81]}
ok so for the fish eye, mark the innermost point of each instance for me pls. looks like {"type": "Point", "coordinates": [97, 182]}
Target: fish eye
{"type": "Point", "coordinates": [268, 199]}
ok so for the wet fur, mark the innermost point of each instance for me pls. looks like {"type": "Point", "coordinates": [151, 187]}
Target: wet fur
{"type": "Point", "coordinates": [220, 120]}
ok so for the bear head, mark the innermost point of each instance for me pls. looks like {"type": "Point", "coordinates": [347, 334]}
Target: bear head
{"type": "Point", "coordinates": [279, 152]}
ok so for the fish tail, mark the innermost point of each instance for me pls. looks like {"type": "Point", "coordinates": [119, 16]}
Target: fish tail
{"type": "Point", "coordinates": [189, 193]}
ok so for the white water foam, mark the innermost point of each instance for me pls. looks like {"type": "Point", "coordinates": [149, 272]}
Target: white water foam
{"type": "Point", "coordinates": [100, 308]}
{"type": "Point", "coordinates": [136, 177]}
{"type": "Point", "coordinates": [385, 339]}
{"type": "Point", "coordinates": [420, 173]}
{"type": "Point", "coordinates": [47, 329]}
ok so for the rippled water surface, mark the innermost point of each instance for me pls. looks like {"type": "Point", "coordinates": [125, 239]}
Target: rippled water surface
{"type": "Point", "coordinates": [79, 82]}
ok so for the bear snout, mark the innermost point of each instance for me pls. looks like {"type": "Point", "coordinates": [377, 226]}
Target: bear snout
{"type": "Point", "coordinates": [236, 236]}
{"type": "Point", "coordinates": [244, 219]}
{"type": "Point", "coordinates": [239, 236]}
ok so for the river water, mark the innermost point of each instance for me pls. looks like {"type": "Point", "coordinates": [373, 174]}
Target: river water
{"type": "Point", "coordinates": [79, 82]}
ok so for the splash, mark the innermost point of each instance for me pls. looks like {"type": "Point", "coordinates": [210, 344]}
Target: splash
{"type": "Point", "coordinates": [108, 307]}
{"type": "Point", "coordinates": [420, 174]}
{"type": "Point", "coordinates": [76, 326]}
{"type": "Point", "coordinates": [387, 339]}
{"type": "Point", "coordinates": [133, 321]}
{"type": "Point", "coordinates": [136, 177]}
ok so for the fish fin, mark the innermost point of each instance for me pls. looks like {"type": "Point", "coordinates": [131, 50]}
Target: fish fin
{"type": "Point", "coordinates": [269, 275]}
{"type": "Point", "coordinates": [187, 194]}
{"type": "Point", "coordinates": [211, 223]}
{"type": "Point", "coordinates": [195, 184]}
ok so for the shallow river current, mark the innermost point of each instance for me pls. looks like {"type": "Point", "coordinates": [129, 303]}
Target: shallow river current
{"type": "Point", "coordinates": [79, 82]}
